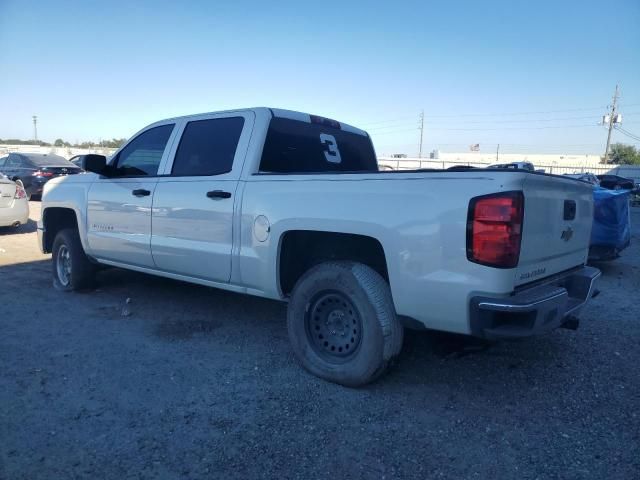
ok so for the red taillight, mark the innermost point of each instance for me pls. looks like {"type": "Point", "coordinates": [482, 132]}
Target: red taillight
{"type": "Point", "coordinates": [20, 193]}
{"type": "Point", "coordinates": [494, 229]}
{"type": "Point", "coordinates": [40, 173]}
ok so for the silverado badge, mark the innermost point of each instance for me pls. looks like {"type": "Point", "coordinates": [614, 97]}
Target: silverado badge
{"type": "Point", "coordinates": [567, 234]}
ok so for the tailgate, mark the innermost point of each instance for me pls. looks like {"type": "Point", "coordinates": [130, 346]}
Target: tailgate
{"type": "Point", "coordinates": [558, 214]}
{"type": "Point", "coordinates": [7, 192]}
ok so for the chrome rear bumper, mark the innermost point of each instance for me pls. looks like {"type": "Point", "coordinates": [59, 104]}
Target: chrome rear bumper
{"type": "Point", "coordinates": [535, 310]}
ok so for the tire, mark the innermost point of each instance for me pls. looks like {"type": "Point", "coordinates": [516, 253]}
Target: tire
{"type": "Point", "coordinates": [72, 270]}
{"type": "Point", "coordinates": [342, 323]}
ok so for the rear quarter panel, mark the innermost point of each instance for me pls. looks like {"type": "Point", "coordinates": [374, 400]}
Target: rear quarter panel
{"type": "Point", "coordinates": [420, 220]}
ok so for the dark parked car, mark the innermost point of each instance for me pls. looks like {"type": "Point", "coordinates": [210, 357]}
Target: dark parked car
{"type": "Point", "coordinates": [77, 160]}
{"type": "Point", "coordinates": [33, 170]}
{"type": "Point", "coordinates": [616, 182]}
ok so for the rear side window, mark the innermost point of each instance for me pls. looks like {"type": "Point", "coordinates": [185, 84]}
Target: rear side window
{"type": "Point", "coordinates": [142, 155]}
{"type": "Point", "coordinates": [14, 161]}
{"type": "Point", "coordinates": [294, 146]}
{"type": "Point", "coordinates": [207, 147]}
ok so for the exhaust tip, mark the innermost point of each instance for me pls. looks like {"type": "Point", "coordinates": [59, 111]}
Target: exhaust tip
{"type": "Point", "coordinates": [15, 224]}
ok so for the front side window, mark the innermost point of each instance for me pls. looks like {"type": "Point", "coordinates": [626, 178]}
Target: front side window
{"type": "Point", "coordinates": [141, 156]}
{"type": "Point", "coordinates": [3, 160]}
{"type": "Point", "coordinates": [208, 147]}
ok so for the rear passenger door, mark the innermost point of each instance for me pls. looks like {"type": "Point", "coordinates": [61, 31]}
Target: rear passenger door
{"type": "Point", "coordinates": [193, 206]}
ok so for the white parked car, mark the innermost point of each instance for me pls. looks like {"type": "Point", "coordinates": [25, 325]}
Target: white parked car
{"type": "Point", "coordinates": [14, 206]}
{"type": "Point", "coordinates": [293, 207]}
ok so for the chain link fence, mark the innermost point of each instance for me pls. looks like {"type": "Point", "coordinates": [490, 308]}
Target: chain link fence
{"type": "Point", "coordinates": [424, 163]}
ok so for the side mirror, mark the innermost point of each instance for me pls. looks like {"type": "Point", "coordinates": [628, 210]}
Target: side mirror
{"type": "Point", "coordinates": [94, 163]}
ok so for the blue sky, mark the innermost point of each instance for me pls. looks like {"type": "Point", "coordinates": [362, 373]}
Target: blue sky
{"type": "Point", "coordinates": [480, 70]}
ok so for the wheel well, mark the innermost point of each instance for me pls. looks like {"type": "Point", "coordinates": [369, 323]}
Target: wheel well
{"type": "Point", "coordinates": [302, 249]}
{"type": "Point", "coordinates": [55, 219]}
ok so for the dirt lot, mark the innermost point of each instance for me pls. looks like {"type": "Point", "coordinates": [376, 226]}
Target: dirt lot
{"type": "Point", "coordinates": [200, 383]}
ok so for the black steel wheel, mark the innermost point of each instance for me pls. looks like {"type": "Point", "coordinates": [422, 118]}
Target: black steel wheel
{"type": "Point", "coordinates": [342, 323]}
{"type": "Point", "coordinates": [333, 326]}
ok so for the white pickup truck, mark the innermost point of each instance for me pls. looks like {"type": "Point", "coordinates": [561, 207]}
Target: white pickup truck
{"type": "Point", "coordinates": [291, 206]}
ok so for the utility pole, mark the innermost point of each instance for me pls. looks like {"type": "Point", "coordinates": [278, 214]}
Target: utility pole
{"type": "Point", "coordinates": [421, 132]}
{"type": "Point", "coordinates": [35, 128]}
{"type": "Point", "coordinates": [612, 117]}
{"type": "Point", "coordinates": [498, 153]}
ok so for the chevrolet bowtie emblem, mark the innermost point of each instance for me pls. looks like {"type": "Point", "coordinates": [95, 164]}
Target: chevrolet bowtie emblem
{"type": "Point", "coordinates": [567, 234]}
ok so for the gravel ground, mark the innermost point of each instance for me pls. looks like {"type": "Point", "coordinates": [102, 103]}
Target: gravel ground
{"type": "Point", "coordinates": [199, 383]}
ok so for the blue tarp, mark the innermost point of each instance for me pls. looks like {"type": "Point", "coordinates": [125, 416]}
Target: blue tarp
{"type": "Point", "coordinates": [611, 220]}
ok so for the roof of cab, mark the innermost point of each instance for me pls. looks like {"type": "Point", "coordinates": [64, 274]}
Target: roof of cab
{"type": "Point", "coordinates": [275, 112]}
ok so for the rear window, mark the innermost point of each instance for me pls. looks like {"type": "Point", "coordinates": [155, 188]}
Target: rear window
{"type": "Point", "coordinates": [294, 146]}
{"type": "Point", "coordinates": [48, 161]}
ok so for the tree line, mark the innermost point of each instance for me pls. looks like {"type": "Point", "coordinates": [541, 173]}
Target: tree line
{"type": "Point", "coordinates": [59, 142]}
{"type": "Point", "coordinates": [624, 154]}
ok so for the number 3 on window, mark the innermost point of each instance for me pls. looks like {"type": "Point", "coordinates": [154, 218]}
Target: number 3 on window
{"type": "Point", "coordinates": [333, 154]}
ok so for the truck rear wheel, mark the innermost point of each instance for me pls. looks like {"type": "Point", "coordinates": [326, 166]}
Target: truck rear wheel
{"type": "Point", "coordinates": [72, 270]}
{"type": "Point", "coordinates": [342, 323]}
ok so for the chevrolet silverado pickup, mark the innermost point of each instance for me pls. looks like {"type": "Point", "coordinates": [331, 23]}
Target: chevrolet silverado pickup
{"type": "Point", "coordinates": [293, 207]}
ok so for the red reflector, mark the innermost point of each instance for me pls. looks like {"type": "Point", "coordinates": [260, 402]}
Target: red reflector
{"type": "Point", "coordinates": [494, 229]}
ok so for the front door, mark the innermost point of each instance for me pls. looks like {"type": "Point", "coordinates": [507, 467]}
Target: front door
{"type": "Point", "coordinates": [193, 206]}
{"type": "Point", "coordinates": [119, 206]}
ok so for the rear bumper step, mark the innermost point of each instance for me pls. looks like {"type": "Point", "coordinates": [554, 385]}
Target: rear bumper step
{"type": "Point", "coordinates": [535, 310]}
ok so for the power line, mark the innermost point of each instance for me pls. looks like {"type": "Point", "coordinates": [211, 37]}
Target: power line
{"type": "Point", "coordinates": [386, 121]}
{"type": "Point", "coordinates": [504, 114]}
{"type": "Point", "coordinates": [515, 128]}
{"type": "Point", "coordinates": [395, 131]}
{"type": "Point", "coordinates": [473, 122]}
{"type": "Point", "coordinates": [531, 120]}
{"type": "Point", "coordinates": [519, 113]}
{"type": "Point", "coordinates": [546, 145]}
{"type": "Point", "coordinates": [628, 134]}
{"type": "Point", "coordinates": [374, 134]}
